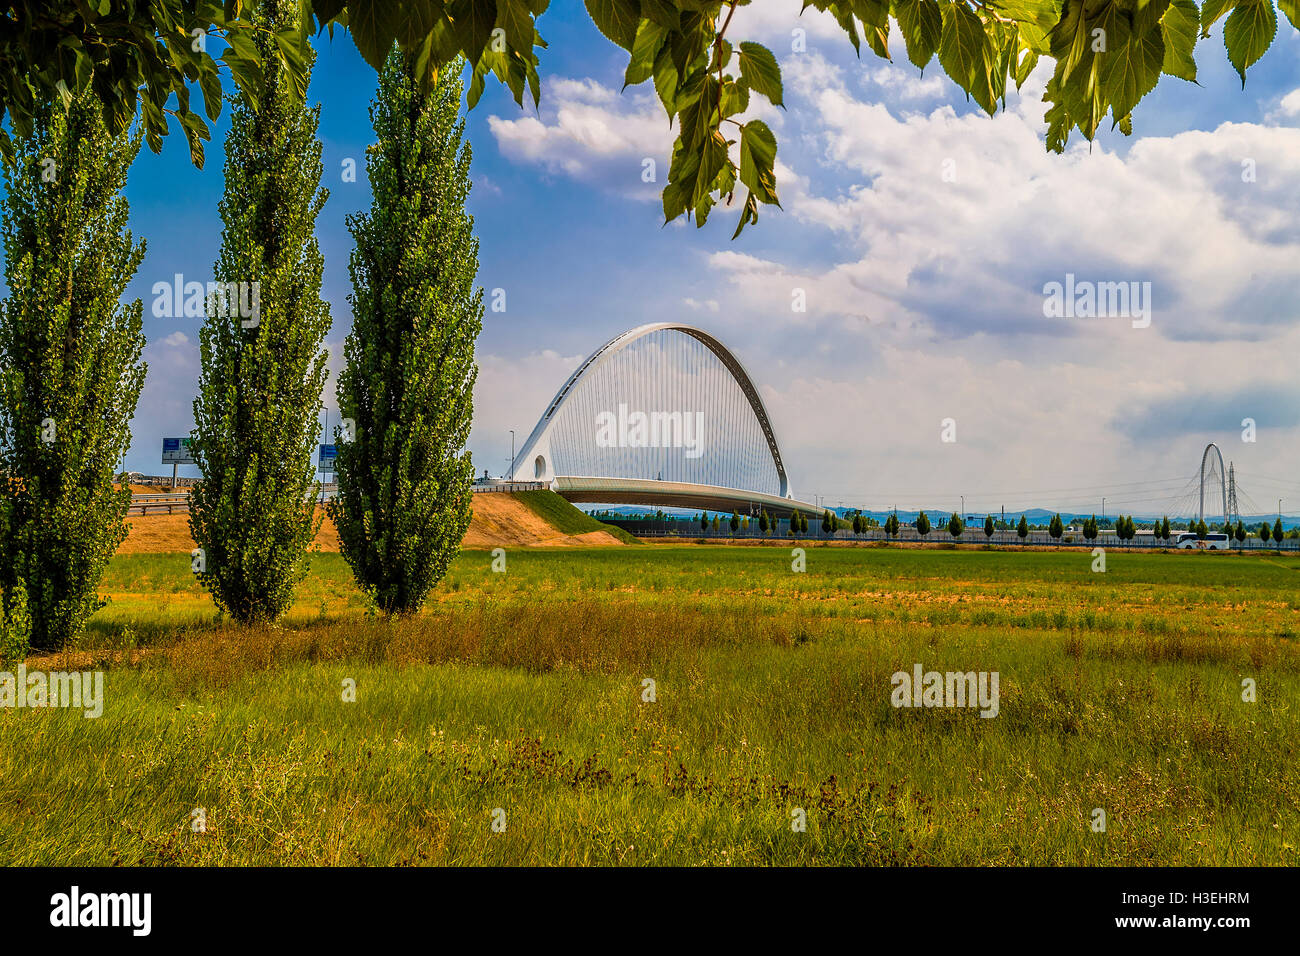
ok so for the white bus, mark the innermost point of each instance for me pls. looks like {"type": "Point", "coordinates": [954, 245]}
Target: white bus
{"type": "Point", "coordinates": [1212, 542]}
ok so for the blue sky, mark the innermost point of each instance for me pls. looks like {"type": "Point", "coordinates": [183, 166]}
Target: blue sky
{"type": "Point", "coordinates": [925, 293]}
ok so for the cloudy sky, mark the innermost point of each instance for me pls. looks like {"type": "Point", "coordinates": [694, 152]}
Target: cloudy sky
{"type": "Point", "coordinates": [922, 234]}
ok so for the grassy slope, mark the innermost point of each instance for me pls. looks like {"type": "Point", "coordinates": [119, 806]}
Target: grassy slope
{"type": "Point", "coordinates": [523, 691]}
{"type": "Point", "coordinates": [566, 518]}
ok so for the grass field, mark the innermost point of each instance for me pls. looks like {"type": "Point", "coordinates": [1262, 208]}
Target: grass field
{"type": "Point", "coordinates": [564, 517]}
{"type": "Point", "coordinates": [523, 692]}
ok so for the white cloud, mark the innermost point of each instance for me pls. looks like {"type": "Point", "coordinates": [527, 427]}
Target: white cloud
{"type": "Point", "coordinates": [592, 134]}
{"type": "Point", "coordinates": [925, 297]}
{"type": "Point", "coordinates": [1288, 106]}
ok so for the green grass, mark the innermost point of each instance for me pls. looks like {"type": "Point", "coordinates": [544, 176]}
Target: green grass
{"type": "Point", "coordinates": [523, 691]}
{"type": "Point", "coordinates": [566, 518]}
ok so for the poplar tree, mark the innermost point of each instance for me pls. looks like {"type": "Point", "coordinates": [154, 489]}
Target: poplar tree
{"type": "Point", "coordinates": [70, 370]}
{"type": "Point", "coordinates": [407, 388]}
{"type": "Point", "coordinates": [253, 514]}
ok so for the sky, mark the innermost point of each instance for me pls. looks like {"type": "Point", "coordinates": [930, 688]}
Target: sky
{"type": "Point", "coordinates": [922, 234]}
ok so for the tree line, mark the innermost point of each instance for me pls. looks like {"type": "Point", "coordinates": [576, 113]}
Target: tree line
{"type": "Point", "coordinates": [71, 369]}
{"type": "Point", "coordinates": [1124, 527]}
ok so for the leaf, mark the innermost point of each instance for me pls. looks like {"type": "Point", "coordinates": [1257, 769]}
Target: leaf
{"type": "Point", "coordinates": [210, 86]}
{"type": "Point", "coordinates": [1292, 10]}
{"type": "Point", "coordinates": [649, 39]}
{"type": "Point", "coordinates": [665, 77]}
{"type": "Point", "coordinates": [748, 214]}
{"type": "Point", "coordinates": [616, 19]}
{"type": "Point", "coordinates": [758, 160]}
{"type": "Point", "coordinates": [961, 45]}
{"type": "Point", "coordinates": [1028, 59]}
{"type": "Point", "coordinates": [516, 19]}
{"type": "Point", "coordinates": [713, 156]}
{"type": "Point", "coordinates": [1132, 71]}
{"type": "Point", "coordinates": [471, 24]}
{"type": "Point", "coordinates": [290, 43]}
{"type": "Point", "coordinates": [1043, 16]}
{"type": "Point", "coordinates": [921, 24]}
{"type": "Point", "coordinates": [1248, 32]}
{"type": "Point", "coordinates": [760, 71]}
{"type": "Point", "coordinates": [662, 12]}
{"type": "Point", "coordinates": [246, 73]}
{"type": "Point", "coordinates": [674, 200]}
{"type": "Point", "coordinates": [1180, 26]}
{"type": "Point", "coordinates": [1069, 42]}
{"type": "Point", "coordinates": [373, 25]}
{"type": "Point", "coordinates": [1211, 10]}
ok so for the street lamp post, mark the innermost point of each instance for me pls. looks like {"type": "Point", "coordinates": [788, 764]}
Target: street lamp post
{"type": "Point", "coordinates": [963, 510]}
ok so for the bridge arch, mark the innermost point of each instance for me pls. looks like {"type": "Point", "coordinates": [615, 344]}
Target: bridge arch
{"type": "Point", "coordinates": [663, 403]}
{"type": "Point", "coordinates": [1223, 484]}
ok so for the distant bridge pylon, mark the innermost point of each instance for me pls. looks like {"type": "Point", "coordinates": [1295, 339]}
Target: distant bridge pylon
{"type": "Point", "coordinates": [1223, 482]}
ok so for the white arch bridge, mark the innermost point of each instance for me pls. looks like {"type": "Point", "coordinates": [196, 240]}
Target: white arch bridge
{"type": "Point", "coordinates": [662, 415]}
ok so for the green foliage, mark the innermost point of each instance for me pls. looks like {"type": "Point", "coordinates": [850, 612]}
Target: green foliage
{"type": "Point", "coordinates": [404, 477]}
{"type": "Point", "coordinates": [1264, 531]}
{"type": "Point", "coordinates": [1022, 529]}
{"type": "Point", "coordinates": [1055, 527]}
{"type": "Point", "coordinates": [923, 524]}
{"type": "Point", "coordinates": [70, 370]}
{"type": "Point", "coordinates": [704, 521]}
{"type": "Point", "coordinates": [955, 525]}
{"type": "Point", "coordinates": [734, 522]}
{"type": "Point", "coordinates": [15, 625]}
{"type": "Point", "coordinates": [1090, 528]}
{"type": "Point", "coordinates": [253, 513]}
{"type": "Point", "coordinates": [988, 526]}
{"type": "Point", "coordinates": [1164, 529]}
{"type": "Point", "coordinates": [1202, 529]}
{"type": "Point", "coordinates": [1239, 532]}
{"type": "Point", "coordinates": [1277, 531]}
{"type": "Point", "coordinates": [1108, 56]}
{"type": "Point", "coordinates": [763, 521]}
{"type": "Point", "coordinates": [146, 54]}
{"type": "Point", "coordinates": [891, 525]}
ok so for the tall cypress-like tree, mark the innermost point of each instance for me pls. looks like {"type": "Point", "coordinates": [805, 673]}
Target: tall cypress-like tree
{"type": "Point", "coordinates": [404, 475]}
{"type": "Point", "coordinates": [253, 513]}
{"type": "Point", "coordinates": [70, 370]}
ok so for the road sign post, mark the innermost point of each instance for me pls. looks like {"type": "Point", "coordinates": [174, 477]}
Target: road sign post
{"type": "Point", "coordinates": [176, 452]}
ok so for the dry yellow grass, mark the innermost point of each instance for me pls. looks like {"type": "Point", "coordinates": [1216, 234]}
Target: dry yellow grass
{"type": "Point", "coordinates": [499, 521]}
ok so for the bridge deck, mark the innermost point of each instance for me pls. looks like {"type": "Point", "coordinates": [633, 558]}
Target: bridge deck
{"type": "Point", "coordinates": [674, 494]}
